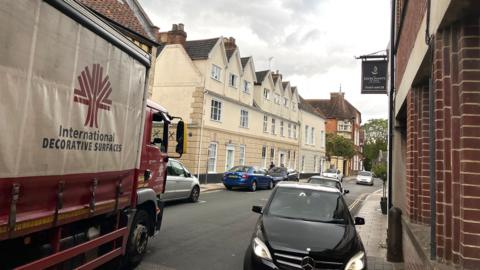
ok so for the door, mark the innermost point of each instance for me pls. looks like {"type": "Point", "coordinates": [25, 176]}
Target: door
{"type": "Point", "coordinates": [184, 181]}
{"type": "Point", "coordinates": [230, 157]}
{"type": "Point", "coordinates": [281, 160]}
{"type": "Point", "coordinates": [171, 185]}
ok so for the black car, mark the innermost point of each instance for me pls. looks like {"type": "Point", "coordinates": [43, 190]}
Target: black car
{"type": "Point", "coordinates": [305, 226]}
{"type": "Point", "coordinates": [283, 174]}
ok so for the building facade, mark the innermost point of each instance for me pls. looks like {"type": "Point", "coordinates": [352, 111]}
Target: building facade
{"type": "Point", "coordinates": [235, 116]}
{"type": "Point", "coordinates": [312, 159]}
{"type": "Point", "coordinates": [345, 120]}
{"type": "Point", "coordinates": [437, 42]}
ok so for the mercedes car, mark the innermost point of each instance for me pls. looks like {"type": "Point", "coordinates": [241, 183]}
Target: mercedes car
{"type": "Point", "coordinates": [305, 226]}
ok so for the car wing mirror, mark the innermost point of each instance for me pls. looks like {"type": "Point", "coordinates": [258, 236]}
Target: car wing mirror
{"type": "Point", "coordinates": [359, 221]}
{"type": "Point", "coordinates": [345, 191]}
{"type": "Point", "coordinates": [257, 209]}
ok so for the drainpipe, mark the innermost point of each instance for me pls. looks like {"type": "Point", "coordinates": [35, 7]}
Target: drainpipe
{"type": "Point", "coordinates": [391, 110]}
{"type": "Point", "coordinates": [431, 132]}
{"type": "Point", "coordinates": [205, 91]}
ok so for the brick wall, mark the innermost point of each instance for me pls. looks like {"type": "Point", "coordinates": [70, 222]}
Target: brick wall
{"type": "Point", "coordinates": [418, 187]}
{"type": "Point", "coordinates": [457, 100]}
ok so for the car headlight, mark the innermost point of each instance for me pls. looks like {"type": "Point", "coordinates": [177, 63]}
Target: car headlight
{"type": "Point", "coordinates": [357, 262]}
{"type": "Point", "coordinates": [260, 249]}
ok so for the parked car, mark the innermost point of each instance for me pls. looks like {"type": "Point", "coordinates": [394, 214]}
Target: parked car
{"type": "Point", "coordinates": [293, 175]}
{"type": "Point", "coordinates": [181, 184]}
{"type": "Point", "coordinates": [334, 173]}
{"type": "Point", "coordinates": [305, 226]}
{"type": "Point", "coordinates": [247, 176]}
{"type": "Point", "coordinates": [328, 182]}
{"type": "Point", "coordinates": [278, 174]}
{"type": "Point", "coordinates": [365, 178]}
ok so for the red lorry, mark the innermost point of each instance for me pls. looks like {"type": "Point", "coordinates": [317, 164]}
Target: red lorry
{"type": "Point", "coordinates": [80, 167]}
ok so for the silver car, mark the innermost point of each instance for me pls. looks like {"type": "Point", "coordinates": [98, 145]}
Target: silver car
{"type": "Point", "coordinates": [365, 178]}
{"type": "Point", "coordinates": [181, 184]}
{"type": "Point", "coordinates": [328, 182]}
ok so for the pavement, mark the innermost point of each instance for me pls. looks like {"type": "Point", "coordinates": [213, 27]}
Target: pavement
{"type": "Point", "coordinates": [374, 233]}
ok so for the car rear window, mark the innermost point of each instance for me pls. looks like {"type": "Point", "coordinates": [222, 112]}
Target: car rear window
{"type": "Point", "coordinates": [331, 171]}
{"type": "Point", "coordinates": [324, 182]}
{"type": "Point", "coordinates": [365, 173]}
{"type": "Point", "coordinates": [278, 170]}
{"type": "Point", "coordinates": [240, 169]}
{"type": "Point", "coordinates": [310, 205]}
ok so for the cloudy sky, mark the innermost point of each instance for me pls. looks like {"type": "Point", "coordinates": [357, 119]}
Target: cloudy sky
{"type": "Point", "coordinates": [311, 42]}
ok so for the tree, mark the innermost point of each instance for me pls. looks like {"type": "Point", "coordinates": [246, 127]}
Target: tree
{"type": "Point", "coordinates": [339, 146]}
{"type": "Point", "coordinates": [376, 132]}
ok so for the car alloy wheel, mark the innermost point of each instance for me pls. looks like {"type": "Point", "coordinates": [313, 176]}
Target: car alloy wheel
{"type": "Point", "coordinates": [270, 185]}
{"type": "Point", "coordinates": [254, 186]}
{"type": "Point", "coordinates": [194, 194]}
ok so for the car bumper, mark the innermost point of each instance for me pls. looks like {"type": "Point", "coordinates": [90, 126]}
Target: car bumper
{"type": "Point", "coordinates": [236, 183]}
{"type": "Point", "coordinates": [364, 182]}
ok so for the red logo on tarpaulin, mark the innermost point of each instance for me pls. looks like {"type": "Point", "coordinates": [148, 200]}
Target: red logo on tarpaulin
{"type": "Point", "coordinates": [94, 92]}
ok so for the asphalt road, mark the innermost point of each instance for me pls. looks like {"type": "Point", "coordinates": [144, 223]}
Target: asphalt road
{"type": "Point", "coordinates": [214, 233]}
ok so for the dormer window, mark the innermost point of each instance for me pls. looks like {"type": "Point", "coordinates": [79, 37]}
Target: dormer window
{"type": "Point", "coordinates": [246, 86]}
{"type": "Point", "coordinates": [266, 93]}
{"type": "Point", "coordinates": [232, 80]}
{"type": "Point", "coordinates": [285, 102]}
{"type": "Point", "coordinates": [216, 72]}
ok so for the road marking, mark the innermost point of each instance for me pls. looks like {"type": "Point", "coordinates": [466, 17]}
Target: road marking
{"type": "Point", "coordinates": [201, 201]}
{"type": "Point", "coordinates": [211, 191]}
{"type": "Point", "coordinates": [359, 199]}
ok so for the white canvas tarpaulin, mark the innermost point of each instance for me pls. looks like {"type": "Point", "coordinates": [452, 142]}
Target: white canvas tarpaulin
{"type": "Point", "coordinates": [70, 102]}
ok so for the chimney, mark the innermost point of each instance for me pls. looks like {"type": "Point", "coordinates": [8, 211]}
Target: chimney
{"type": "Point", "coordinates": [175, 36]}
{"type": "Point", "coordinates": [229, 43]}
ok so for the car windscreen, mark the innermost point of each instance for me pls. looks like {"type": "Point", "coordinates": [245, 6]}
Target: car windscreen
{"type": "Point", "coordinates": [324, 182]}
{"type": "Point", "coordinates": [310, 205]}
{"type": "Point", "coordinates": [365, 173]}
{"type": "Point", "coordinates": [331, 171]}
{"type": "Point", "coordinates": [240, 169]}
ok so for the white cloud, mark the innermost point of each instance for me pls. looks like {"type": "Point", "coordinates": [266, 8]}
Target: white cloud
{"type": "Point", "coordinates": [312, 42]}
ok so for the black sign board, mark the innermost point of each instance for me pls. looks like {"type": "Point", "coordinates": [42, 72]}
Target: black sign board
{"type": "Point", "coordinates": [374, 77]}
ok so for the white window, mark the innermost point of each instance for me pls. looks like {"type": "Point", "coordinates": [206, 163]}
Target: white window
{"type": "Point", "coordinates": [312, 136]}
{"type": "Point", "coordinates": [273, 126]}
{"type": "Point", "coordinates": [344, 126]}
{"type": "Point", "coordinates": [306, 134]}
{"type": "Point", "coordinates": [266, 93]}
{"type": "Point", "coordinates": [285, 102]}
{"type": "Point", "coordinates": [246, 86]}
{"type": "Point", "coordinates": [265, 123]}
{"type": "Point", "coordinates": [289, 130]}
{"type": "Point", "coordinates": [277, 99]}
{"type": "Point", "coordinates": [241, 159]}
{"type": "Point", "coordinates": [244, 118]}
{"type": "Point", "coordinates": [272, 153]}
{"type": "Point", "coordinates": [294, 106]}
{"type": "Point", "coordinates": [216, 72]}
{"type": "Point", "coordinates": [315, 163]}
{"type": "Point", "coordinates": [216, 110]}
{"type": "Point", "coordinates": [322, 138]}
{"type": "Point", "coordinates": [232, 80]}
{"type": "Point", "coordinates": [281, 128]}
{"type": "Point", "coordinates": [294, 131]}
{"type": "Point", "coordinates": [264, 156]}
{"type": "Point", "coordinates": [212, 157]}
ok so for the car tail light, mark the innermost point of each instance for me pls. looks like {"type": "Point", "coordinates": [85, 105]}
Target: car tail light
{"type": "Point", "coordinates": [244, 176]}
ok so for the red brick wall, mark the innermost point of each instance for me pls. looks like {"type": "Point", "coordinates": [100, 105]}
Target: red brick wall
{"type": "Point", "coordinates": [415, 11]}
{"type": "Point", "coordinates": [418, 187]}
{"type": "Point", "coordinates": [457, 130]}
{"type": "Point", "coordinates": [331, 126]}
{"type": "Point", "coordinates": [456, 81]}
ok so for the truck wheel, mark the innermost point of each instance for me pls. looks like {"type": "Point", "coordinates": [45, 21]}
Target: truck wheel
{"type": "Point", "coordinates": [138, 238]}
{"type": "Point", "coordinates": [194, 194]}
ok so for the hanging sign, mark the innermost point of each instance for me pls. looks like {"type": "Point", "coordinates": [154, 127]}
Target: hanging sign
{"type": "Point", "coordinates": [374, 77]}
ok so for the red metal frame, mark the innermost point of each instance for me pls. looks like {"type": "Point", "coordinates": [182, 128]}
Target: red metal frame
{"type": "Point", "coordinates": [64, 255]}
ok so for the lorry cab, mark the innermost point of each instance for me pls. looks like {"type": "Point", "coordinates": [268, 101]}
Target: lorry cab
{"type": "Point", "coordinates": [154, 157]}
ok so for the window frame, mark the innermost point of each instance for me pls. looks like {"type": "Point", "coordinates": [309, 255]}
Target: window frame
{"type": "Point", "coordinates": [243, 118]}
{"type": "Point", "coordinates": [210, 157]}
{"type": "Point", "coordinates": [265, 123]}
{"type": "Point", "coordinates": [214, 71]}
{"type": "Point", "coordinates": [246, 86]}
{"type": "Point", "coordinates": [267, 92]}
{"type": "Point", "coordinates": [241, 154]}
{"type": "Point", "coordinates": [273, 131]}
{"type": "Point", "coordinates": [232, 80]}
{"type": "Point", "coordinates": [219, 110]}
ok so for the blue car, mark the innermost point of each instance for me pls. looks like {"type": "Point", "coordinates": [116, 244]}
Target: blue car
{"type": "Point", "coordinates": [247, 176]}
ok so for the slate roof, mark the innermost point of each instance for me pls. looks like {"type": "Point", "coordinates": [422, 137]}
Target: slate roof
{"type": "Point", "coordinates": [200, 49]}
{"type": "Point", "coordinates": [261, 76]}
{"type": "Point", "coordinates": [229, 53]}
{"type": "Point", "coordinates": [119, 12]}
{"type": "Point", "coordinates": [284, 84]}
{"type": "Point", "coordinates": [338, 108]}
{"type": "Point", "coordinates": [304, 105]}
{"type": "Point", "coordinates": [244, 61]}
{"type": "Point", "coordinates": [293, 88]}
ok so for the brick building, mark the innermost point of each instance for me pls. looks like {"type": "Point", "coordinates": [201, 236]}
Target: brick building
{"type": "Point", "coordinates": [345, 120]}
{"type": "Point", "coordinates": [437, 42]}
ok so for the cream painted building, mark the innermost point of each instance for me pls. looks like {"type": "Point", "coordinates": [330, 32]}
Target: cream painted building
{"type": "Point", "coordinates": [215, 91]}
{"type": "Point", "coordinates": [312, 140]}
